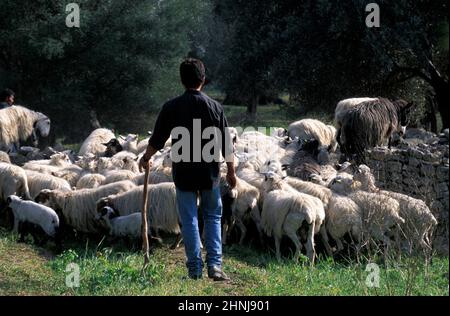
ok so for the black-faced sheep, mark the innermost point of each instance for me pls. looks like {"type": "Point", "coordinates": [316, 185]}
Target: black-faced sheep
{"type": "Point", "coordinates": [94, 143]}
{"type": "Point", "coordinates": [308, 129]}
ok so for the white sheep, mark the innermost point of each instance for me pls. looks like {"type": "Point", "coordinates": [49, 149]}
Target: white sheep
{"type": "Point", "coordinates": [142, 145]}
{"type": "Point", "coordinates": [129, 143]}
{"type": "Point", "coordinates": [18, 123]}
{"type": "Point", "coordinates": [155, 177]}
{"type": "Point", "coordinates": [342, 214]}
{"type": "Point", "coordinates": [380, 213]}
{"type": "Point", "coordinates": [90, 181]}
{"type": "Point", "coordinates": [420, 221]}
{"type": "Point", "coordinates": [78, 208]}
{"type": "Point", "coordinates": [118, 175]}
{"type": "Point", "coordinates": [162, 207]}
{"type": "Point", "coordinates": [93, 144]}
{"type": "Point", "coordinates": [13, 181]}
{"type": "Point", "coordinates": [127, 226]}
{"type": "Point", "coordinates": [39, 181]}
{"type": "Point", "coordinates": [4, 157]}
{"type": "Point", "coordinates": [308, 129]}
{"type": "Point", "coordinates": [284, 212]}
{"type": "Point", "coordinates": [33, 213]}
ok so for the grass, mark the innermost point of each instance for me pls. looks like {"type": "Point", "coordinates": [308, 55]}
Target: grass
{"type": "Point", "coordinates": [115, 270]}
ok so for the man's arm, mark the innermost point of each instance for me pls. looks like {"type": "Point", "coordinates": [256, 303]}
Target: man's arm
{"type": "Point", "coordinates": [144, 162]}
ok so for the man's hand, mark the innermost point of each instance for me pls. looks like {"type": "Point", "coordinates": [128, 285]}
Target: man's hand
{"type": "Point", "coordinates": [231, 179]}
{"type": "Point", "coordinates": [144, 164]}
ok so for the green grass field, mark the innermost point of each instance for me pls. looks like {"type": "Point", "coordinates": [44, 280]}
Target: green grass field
{"type": "Point", "coordinates": [116, 270]}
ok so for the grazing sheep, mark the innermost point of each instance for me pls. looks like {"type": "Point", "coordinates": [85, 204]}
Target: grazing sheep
{"type": "Point", "coordinates": [420, 222]}
{"type": "Point", "coordinates": [244, 205]}
{"type": "Point", "coordinates": [308, 129]}
{"type": "Point", "coordinates": [13, 181]}
{"type": "Point", "coordinates": [35, 214]}
{"type": "Point", "coordinates": [39, 181]}
{"type": "Point", "coordinates": [78, 208]}
{"type": "Point", "coordinates": [284, 212]}
{"type": "Point", "coordinates": [4, 157]}
{"type": "Point", "coordinates": [369, 124]}
{"type": "Point", "coordinates": [380, 213]}
{"type": "Point", "coordinates": [90, 181]}
{"type": "Point", "coordinates": [162, 206]}
{"type": "Point", "coordinates": [94, 144]}
{"type": "Point", "coordinates": [18, 123]}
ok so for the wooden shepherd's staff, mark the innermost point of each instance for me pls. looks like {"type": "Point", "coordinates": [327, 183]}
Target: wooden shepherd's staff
{"type": "Point", "coordinates": [145, 243]}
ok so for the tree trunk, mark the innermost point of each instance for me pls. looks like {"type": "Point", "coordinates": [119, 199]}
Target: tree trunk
{"type": "Point", "coordinates": [93, 119]}
{"type": "Point", "coordinates": [440, 86]}
{"type": "Point", "coordinates": [251, 106]}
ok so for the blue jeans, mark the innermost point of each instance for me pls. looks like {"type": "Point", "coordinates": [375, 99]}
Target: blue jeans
{"type": "Point", "coordinates": [211, 206]}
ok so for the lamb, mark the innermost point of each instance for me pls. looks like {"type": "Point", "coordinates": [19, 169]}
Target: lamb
{"type": "Point", "coordinates": [90, 181]}
{"type": "Point", "coordinates": [308, 129]}
{"type": "Point", "coordinates": [4, 157]}
{"type": "Point", "coordinates": [36, 214]}
{"type": "Point", "coordinates": [94, 144]}
{"type": "Point", "coordinates": [78, 208]}
{"type": "Point", "coordinates": [162, 206]}
{"type": "Point", "coordinates": [284, 212]}
{"type": "Point", "coordinates": [13, 181]}
{"type": "Point", "coordinates": [380, 213]}
{"type": "Point", "coordinates": [18, 123]}
{"type": "Point", "coordinates": [420, 221]}
{"type": "Point", "coordinates": [245, 204]}
{"type": "Point", "coordinates": [40, 181]}
{"type": "Point", "coordinates": [128, 226]}
{"type": "Point", "coordinates": [369, 124]}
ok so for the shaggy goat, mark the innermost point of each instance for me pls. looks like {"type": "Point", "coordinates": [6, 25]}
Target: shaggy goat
{"type": "Point", "coordinates": [18, 123]}
{"type": "Point", "coordinates": [369, 124]}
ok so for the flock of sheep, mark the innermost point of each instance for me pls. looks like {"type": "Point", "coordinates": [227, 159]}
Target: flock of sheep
{"type": "Point", "coordinates": [288, 184]}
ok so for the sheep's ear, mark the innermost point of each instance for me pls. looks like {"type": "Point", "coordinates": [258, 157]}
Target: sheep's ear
{"type": "Point", "coordinates": [284, 167]}
{"type": "Point", "coordinates": [8, 200]}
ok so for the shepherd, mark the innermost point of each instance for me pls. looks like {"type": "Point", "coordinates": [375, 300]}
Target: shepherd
{"type": "Point", "coordinates": [196, 178]}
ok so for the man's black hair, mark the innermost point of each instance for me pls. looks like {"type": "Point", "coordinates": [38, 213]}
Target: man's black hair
{"type": "Point", "coordinates": [192, 72]}
{"type": "Point", "coordinates": [5, 94]}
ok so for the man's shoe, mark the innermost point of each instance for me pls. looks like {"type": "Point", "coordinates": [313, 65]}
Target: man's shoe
{"type": "Point", "coordinates": [217, 274]}
{"type": "Point", "coordinates": [193, 277]}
